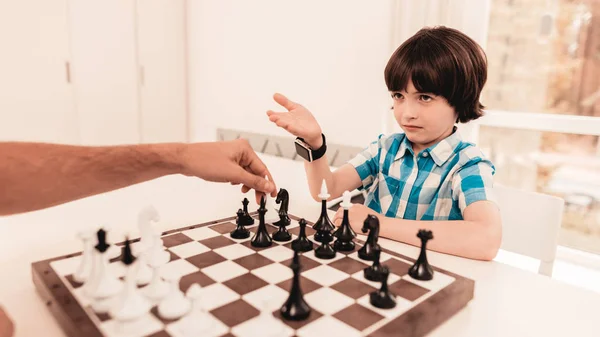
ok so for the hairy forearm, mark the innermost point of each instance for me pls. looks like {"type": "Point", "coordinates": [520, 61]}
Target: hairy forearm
{"type": "Point", "coordinates": [470, 239]}
{"type": "Point", "coordinates": [38, 175]}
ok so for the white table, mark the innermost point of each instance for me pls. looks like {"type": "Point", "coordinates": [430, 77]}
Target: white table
{"type": "Point", "coordinates": [508, 301]}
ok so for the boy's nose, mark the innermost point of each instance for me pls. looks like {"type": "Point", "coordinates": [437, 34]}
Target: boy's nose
{"type": "Point", "coordinates": [409, 113]}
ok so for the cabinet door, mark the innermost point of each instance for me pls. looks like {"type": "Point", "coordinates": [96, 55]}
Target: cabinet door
{"type": "Point", "coordinates": [161, 43]}
{"type": "Point", "coordinates": [104, 70]}
{"type": "Point", "coordinates": [36, 99]}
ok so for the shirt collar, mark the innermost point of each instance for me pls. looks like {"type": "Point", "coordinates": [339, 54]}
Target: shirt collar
{"type": "Point", "coordinates": [440, 152]}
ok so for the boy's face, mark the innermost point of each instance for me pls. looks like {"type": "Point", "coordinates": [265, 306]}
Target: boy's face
{"type": "Point", "coordinates": [425, 118]}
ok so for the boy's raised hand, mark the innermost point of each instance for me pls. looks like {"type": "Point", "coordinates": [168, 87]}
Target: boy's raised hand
{"type": "Point", "coordinates": [298, 121]}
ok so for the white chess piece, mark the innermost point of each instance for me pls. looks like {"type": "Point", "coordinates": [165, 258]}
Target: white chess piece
{"type": "Point", "coordinates": [84, 270]}
{"type": "Point", "coordinates": [324, 195]}
{"type": "Point", "coordinates": [270, 326]}
{"type": "Point", "coordinates": [157, 289]}
{"type": "Point", "coordinates": [175, 304]}
{"type": "Point", "coordinates": [197, 322]}
{"type": "Point", "coordinates": [272, 214]}
{"type": "Point", "coordinates": [143, 271]}
{"type": "Point", "coordinates": [102, 282]}
{"type": "Point", "coordinates": [131, 304]}
{"type": "Point", "coordinates": [145, 218]}
{"type": "Point", "coordinates": [156, 253]}
{"type": "Point", "coordinates": [346, 204]}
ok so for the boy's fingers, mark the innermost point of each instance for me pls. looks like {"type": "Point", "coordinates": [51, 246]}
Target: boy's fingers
{"type": "Point", "coordinates": [284, 101]}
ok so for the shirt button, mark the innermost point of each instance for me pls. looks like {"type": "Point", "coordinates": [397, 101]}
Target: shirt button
{"type": "Point", "coordinates": [425, 154]}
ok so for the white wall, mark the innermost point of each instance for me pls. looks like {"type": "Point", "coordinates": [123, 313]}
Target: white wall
{"type": "Point", "coordinates": [327, 55]}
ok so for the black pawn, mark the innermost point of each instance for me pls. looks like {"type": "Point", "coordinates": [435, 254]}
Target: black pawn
{"type": "Point", "coordinates": [127, 257]}
{"type": "Point", "coordinates": [371, 224]}
{"type": "Point", "coordinates": [102, 246]}
{"type": "Point", "coordinates": [323, 224]}
{"type": "Point", "coordinates": [383, 298]}
{"type": "Point", "coordinates": [302, 243]}
{"type": "Point", "coordinates": [295, 308]}
{"type": "Point", "coordinates": [240, 232]}
{"type": "Point", "coordinates": [246, 219]}
{"type": "Point", "coordinates": [421, 270]}
{"type": "Point", "coordinates": [325, 250]}
{"type": "Point", "coordinates": [345, 235]}
{"type": "Point", "coordinates": [261, 237]}
{"type": "Point", "coordinates": [374, 272]}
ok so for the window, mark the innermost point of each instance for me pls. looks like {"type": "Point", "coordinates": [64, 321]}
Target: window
{"type": "Point", "coordinates": [544, 81]}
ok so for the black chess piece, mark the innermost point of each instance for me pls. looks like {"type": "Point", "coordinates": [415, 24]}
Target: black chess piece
{"type": "Point", "coordinates": [421, 270]}
{"type": "Point", "coordinates": [246, 219]}
{"type": "Point", "coordinates": [102, 246]}
{"type": "Point", "coordinates": [127, 257]}
{"type": "Point", "coordinates": [261, 238]}
{"type": "Point", "coordinates": [383, 298]}
{"type": "Point", "coordinates": [302, 243]}
{"type": "Point", "coordinates": [375, 271]}
{"type": "Point", "coordinates": [295, 307]}
{"type": "Point", "coordinates": [371, 224]}
{"type": "Point", "coordinates": [325, 250]}
{"type": "Point", "coordinates": [282, 234]}
{"type": "Point", "coordinates": [240, 232]}
{"type": "Point", "coordinates": [345, 235]}
{"type": "Point", "coordinates": [323, 224]}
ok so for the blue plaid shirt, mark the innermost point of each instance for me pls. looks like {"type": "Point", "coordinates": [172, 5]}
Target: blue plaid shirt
{"type": "Point", "coordinates": [438, 184]}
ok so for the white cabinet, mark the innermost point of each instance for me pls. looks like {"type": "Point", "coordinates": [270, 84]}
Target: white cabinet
{"type": "Point", "coordinates": [36, 98]}
{"type": "Point", "coordinates": [162, 48]}
{"type": "Point", "coordinates": [93, 72]}
{"type": "Point", "coordinates": [103, 47]}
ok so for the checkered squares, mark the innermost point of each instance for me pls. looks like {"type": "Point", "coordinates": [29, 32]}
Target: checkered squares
{"type": "Point", "coordinates": [243, 287]}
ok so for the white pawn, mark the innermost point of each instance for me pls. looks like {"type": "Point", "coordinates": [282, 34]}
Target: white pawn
{"type": "Point", "coordinates": [324, 195]}
{"type": "Point", "coordinates": [197, 322]}
{"type": "Point", "coordinates": [145, 218]}
{"type": "Point", "coordinates": [84, 270]}
{"type": "Point", "coordinates": [175, 304]}
{"type": "Point", "coordinates": [346, 204]}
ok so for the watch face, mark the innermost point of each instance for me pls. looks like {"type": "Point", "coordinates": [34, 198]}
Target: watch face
{"type": "Point", "coordinates": [302, 151]}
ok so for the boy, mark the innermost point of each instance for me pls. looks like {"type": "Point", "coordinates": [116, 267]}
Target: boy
{"type": "Point", "coordinates": [425, 177]}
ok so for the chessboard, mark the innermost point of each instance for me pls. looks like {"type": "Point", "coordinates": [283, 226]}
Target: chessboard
{"type": "Point", "coordinates": [212, 282]}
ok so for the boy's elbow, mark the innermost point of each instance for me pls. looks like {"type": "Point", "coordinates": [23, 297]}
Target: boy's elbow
{"type": "Point", "coordinates": [492, 242]}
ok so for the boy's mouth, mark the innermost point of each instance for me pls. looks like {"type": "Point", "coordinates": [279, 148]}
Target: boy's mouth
{"type": "Point", "coordinates": [411, 127]}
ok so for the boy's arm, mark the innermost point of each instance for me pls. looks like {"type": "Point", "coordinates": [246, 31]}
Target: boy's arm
{"type": "Point", "coordinates": [38, 175]}
{"type": "Point", "coordinates": [301, 123]}
{"type": "Point", "coordinates": [478, 236]}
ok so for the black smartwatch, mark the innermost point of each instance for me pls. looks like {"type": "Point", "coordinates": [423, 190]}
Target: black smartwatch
{"type": "Point", "coordinates": [307, 152]}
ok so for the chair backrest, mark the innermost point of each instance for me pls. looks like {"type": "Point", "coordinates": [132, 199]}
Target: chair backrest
{"type": "Point", "coordinates": [530, 224]}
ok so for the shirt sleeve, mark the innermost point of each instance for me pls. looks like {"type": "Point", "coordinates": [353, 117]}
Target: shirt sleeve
{"type": "Point", "coordinates": [366, 163]}
{"type": "Point", "coordinates": [473, 182]}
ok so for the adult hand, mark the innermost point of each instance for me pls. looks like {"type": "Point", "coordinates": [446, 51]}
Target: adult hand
{"type": "Point", "coordinates": [228, 161]}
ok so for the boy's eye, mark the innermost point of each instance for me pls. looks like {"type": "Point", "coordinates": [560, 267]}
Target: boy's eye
{"type": "Point", "coordinates": [425, 98]}
{"type": "Point", "coordinates": [396, 95]}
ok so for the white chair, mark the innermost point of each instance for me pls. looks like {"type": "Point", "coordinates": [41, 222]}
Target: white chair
{"type": "Point", "coordinates": [530, 224]}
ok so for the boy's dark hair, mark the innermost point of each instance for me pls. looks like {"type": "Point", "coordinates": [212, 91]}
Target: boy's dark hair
{"type": "Point", "coordinates": [445, 62]}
